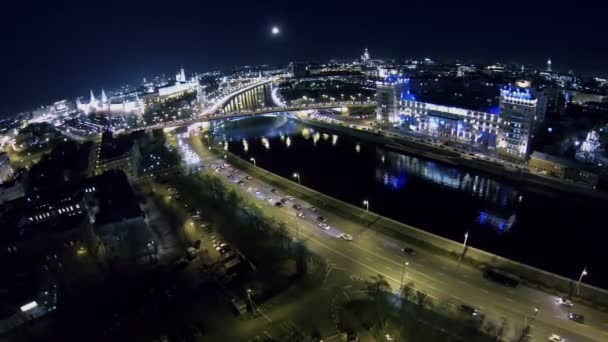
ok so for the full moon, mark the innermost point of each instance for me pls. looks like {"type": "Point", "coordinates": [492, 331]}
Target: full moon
{"type": "Point", "coordinates": [275, 30]}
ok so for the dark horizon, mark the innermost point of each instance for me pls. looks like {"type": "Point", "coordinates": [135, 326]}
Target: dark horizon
{"type": "Point", "coordinates": [62, 50]}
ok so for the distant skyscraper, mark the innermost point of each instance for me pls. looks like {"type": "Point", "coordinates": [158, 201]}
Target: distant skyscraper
{"type": "Point", "coordinates": [549, 65]}
{"type": "Point", "coordinates": [365, 57]}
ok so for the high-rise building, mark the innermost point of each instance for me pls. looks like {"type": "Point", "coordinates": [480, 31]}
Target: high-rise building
{"type": "Point", "coordinates": [388, 95]}
{"type": "Point", "coordinates": [549, 65]}
{"type": "Point", "coordinates": [522, 108]}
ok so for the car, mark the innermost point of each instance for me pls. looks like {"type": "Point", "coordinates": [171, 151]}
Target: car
{"type": "Point", "coordinates": [268, 198]}
{"type": "Point", "coordinates": [556, 338]}
{"type": "Point", "coordinates": [257, 191]}
{"type": "Point", "coordinates": [289, 198]}
{"type": "Point", "coordinates": [576, 317]}
{"type": "Point", "coordinates": [273, 190]}
{"type": "Point", "coordinates": [283, 200]}
{"type": "Point", "coordinates": [241, 182]}
{"type": "Point", "coordinates": [565, 302]}
{"type": "Point", "coordinates": [301, 215]}
{"type": "Point", "coordinates": [296, 206]}
{"type": "Point", "coordinates": [321, 218]}
{"type": "Point", "coordinates": [248, 177]}
{"type": "Point", "coordinates": [346, 237]}
{"type": "Point", "coordinates": [312, 209]}
{"type": "Point", "coordinates": [408, 251]}
{"type": "Point", "coordinates": [468, 310]}
{"type": "Point", "coordinates": [224, 250]}
{"type": "Point", "coordinates": [278, 204]}
{"type": "Point", "coordinates": [324, 226]}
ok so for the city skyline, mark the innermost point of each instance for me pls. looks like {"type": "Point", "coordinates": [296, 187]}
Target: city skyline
{"type": "Point", "coordinates": [57, 51]}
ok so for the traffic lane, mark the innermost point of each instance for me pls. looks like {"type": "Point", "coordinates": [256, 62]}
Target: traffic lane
{"type": "Point", "coordinates": [504, 308]}
{"type": "Point", "coordinates": [430, 285]}
{"type": "Point", "coordinates": [546, 303]}
{"type": "Point", "coordinates": [485, 286]}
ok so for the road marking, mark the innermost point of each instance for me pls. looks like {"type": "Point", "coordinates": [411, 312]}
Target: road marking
{"type": "Point", "coordinates": [484, 290]}
{"type": "Point", "coordinates": [441, 274]}
{"type": "Point", "coordinates": [388, 268]}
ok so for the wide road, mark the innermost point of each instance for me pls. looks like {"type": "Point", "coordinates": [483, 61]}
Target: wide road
{"type": "Point", "coordinates": [442, 278]}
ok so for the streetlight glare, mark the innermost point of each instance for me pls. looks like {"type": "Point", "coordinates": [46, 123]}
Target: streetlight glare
{"type": "Point", "coordinates": [275, 30]}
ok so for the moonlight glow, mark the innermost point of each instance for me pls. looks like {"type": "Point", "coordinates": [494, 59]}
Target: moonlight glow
{"type": "Point", "coordinates": [275, 30]}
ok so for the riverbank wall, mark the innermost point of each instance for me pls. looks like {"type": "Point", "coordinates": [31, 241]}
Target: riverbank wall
{"type": "Point", "coordinates": [531, 276]}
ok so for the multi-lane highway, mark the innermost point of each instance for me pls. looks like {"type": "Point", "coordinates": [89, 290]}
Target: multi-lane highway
{"type": "Point", "coordinates": [442, 278]}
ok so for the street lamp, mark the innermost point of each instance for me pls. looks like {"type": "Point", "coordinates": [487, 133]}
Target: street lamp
{"type": "Point", "coordinates": [366, 204]}
{"type": "Point", "coordinates": [297, 228]}
{"type": "Point", "coordinates": [253, 161]}
{"type": "Point", "coordinates": [405, 265]}
{"type": "Point", "coordinates": [578, 283]}
{"type": "Point", "coordinates": [297, 175]}
{"type": "Point", "coordinates": [464, 245]}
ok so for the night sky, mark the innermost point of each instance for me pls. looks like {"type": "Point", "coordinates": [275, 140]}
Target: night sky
{"type": "Point", "coordinates": [57, 49]}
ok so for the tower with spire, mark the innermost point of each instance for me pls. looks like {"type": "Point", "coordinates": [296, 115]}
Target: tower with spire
{"type": "Point", "coordinates": [549, 65]}
{"type": "Point", "coordinates": [92, 100]}
{"type": "Point", "coordinates": [104, 98]}
{"type": "Point", "coordinates": [365, 57]}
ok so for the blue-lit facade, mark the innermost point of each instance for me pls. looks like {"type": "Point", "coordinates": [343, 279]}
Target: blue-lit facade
{"type": "Point", "coordinates": [505, 127]}
{"type": "Point", "coordinates": [521, 108]}
{"type": "Point", "coordinates": [451, 123]}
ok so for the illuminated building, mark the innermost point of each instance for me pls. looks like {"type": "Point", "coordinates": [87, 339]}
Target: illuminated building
{"type": "Point", "coordinates": [365, 58]}
{"type": "Point", "coordinates": [549, 69]}
{"type": "Point", "coordinates": [181, 86]}
{"type": "Point", "coordinates": [563, 168]}
{"type": "Point", "coordinates": [522, 108]}
{"type": "Point", "coordinates": [123, 104]}
{"type": "Point", "coordinates": [388, 94]}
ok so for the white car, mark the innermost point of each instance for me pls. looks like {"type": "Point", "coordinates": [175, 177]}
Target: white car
{"type": "Point", "coordinates": [565, 302]}
{"type": "Point", "coordinates": [556, 338]}
{"type": "Point", "coordinates": [323, 225]}
{"type": "Point", "coordinates": [346, 237]}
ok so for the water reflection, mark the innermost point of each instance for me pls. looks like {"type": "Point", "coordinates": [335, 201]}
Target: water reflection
{"type": "Point", "coordinates": [393, 170]}
{"type": "Point", "coordinates": [393, 163]}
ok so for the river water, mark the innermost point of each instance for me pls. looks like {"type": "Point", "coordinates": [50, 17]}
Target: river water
{"type": "Point", "coordinates": [555, 232]}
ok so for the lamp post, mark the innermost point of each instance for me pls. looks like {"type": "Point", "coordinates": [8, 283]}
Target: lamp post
{"type": "Point", "coordinates": [250, 300]}
{"type": "Point", "coordinates": [464, 245]}
{"type": "Point", "coordinates": [297, 175]}
{"type": "Point", "coordinates": [297, 228]}
{"type": "Point", "coordinates": [253, 161]}
{"type": "Point", "coordinates": [366, 204]}
{"type": "Point", "coordinates": [405, 265]}
{"type": "Point", "coordinates": [578, 283]}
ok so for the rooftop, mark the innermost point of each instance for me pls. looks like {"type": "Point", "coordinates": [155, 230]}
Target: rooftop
{"type": "Point", "coordinates": [114, 147]}
{"type": "Point", "coordinates": [117, 201]}
{"type": "Point", "coordinates": [473, 94]}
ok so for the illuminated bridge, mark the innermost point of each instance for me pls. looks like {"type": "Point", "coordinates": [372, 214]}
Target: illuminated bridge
{"type": "Point", "coordinates": [256, 99]}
